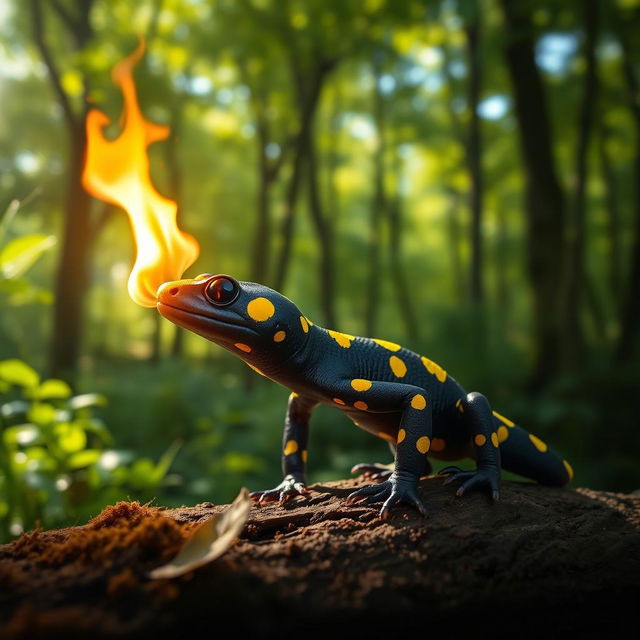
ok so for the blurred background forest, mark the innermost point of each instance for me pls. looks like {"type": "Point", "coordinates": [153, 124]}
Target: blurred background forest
{"type": "Point", "coordinates": [462, 177]}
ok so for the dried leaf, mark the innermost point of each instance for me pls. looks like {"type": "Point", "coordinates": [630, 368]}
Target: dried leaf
{"type": "Point", "coordinates": [209, 540]}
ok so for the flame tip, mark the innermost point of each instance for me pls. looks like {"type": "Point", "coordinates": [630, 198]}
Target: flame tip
{"type": "Point", "coordinates": [117, 171]}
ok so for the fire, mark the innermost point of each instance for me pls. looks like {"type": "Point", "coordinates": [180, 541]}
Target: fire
{"type": "Point", "coordinates": [117, 171]}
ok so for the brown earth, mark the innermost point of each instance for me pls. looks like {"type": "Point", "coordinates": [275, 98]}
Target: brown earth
{"type": "Point", "coordinates": [541, 561]}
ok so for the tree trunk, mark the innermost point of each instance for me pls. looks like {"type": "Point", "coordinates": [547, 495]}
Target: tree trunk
{"type": "Point", "coordinates": [544, 197]}
{"type": "Point", "coordinates": [174, 167]}
{"type": "Point", "coordinates": [399, 282]}
{"type": "Point", "coordinates": [308, 87]}
{"type": "Point", "coordinates": [262, 239]}
{"type": "Point", "coordinates": [573, 336]}
{"type": "Point", "coordinates": [453, 241]}
{"type": "Point", "coordinates": [378, 205]}
{"type": "Point", "coordinates": [630, 320]}
{"type": "Point", "coordinates": [327, 283]}
{"type": "Point", "coordinates": [473, 148]}
{"type": "Point", "coordinates": [72, 274]}
{"type": "Point", "coordinates": [612, 206]}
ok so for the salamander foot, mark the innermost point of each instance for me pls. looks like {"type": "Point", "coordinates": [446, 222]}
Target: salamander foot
{"type": "Point", "coordinates": [391, 492]}
{"type": "Point", "coordinates": [488, 478]}
{"type": "Point", "coordinates": [373, 470]}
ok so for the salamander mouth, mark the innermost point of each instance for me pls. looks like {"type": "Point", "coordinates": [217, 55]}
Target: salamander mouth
{"type": "Point", "coordinates": [202, 324]}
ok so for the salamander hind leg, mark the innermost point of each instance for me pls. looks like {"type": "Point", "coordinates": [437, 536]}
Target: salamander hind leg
{"type": "Point", "coordinates": [528, 456]}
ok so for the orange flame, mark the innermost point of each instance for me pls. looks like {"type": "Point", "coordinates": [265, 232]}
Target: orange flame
{"type": "Point", "coordinates": [117, 171]}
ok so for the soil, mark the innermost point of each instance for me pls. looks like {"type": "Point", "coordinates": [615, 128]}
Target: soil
{"type": "Point", "coordinates": [541, 560]}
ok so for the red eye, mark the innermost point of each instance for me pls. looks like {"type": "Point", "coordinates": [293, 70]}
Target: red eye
{"type": "Point", "coordinates": [222, 290]}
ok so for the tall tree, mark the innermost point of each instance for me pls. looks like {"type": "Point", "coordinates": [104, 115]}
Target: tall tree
{"type": "Point", "coordinates": [378, 201]}
{"type": "Point", "coordinates": [630, 320]}
{"type": "Point", "coordinates": [72, 276]}
{"type": "Point", "coordinates": [574, 272]}
{"type": "Point", "coordinates": [545, 204]}
{"type": "Point", "coordinates": [474, 157]}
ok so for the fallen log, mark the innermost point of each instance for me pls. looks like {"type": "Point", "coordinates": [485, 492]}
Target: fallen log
{"type": "Point", "coordinates": [541, 560]}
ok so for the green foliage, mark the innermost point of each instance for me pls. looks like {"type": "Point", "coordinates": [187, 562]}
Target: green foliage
{"type": "Point", "coordinates": [57, 461]}
{"type": "Point", "coordinates": [17, 256]}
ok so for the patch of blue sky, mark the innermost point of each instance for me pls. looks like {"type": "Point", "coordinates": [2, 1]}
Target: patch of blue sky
{"type": "Point", "coordinates": [494, 107]}
{"type": "Point", "coordinates": [555, 50]}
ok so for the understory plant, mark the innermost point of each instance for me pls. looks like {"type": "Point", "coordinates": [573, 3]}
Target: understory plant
{"type": "Point", "coordinates": [58, 461]}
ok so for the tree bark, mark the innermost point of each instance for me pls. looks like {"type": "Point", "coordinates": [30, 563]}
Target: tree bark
{"type": "Point", "coordinates": [544, 198]}
{"type": "Point", "coordinates": [573, 341]}
{"type": "Point", "coordinates": [378, 205]}
{"type": "Point", "coordinates": [72, 274]}
{"type": "Point", "coordinates": [612, 206]}
{"type": "Point", "coordinates": [327, 287]}
{"type": "Point", "coordinates": [308, 84]}
{"type": "Point", "coordinates": [630, 317]}
{"type": "Point", "coordinates": [474, 161]}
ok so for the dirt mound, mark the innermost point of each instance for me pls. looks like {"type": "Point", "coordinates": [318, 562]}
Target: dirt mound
{"type": "Point", "coordinates": [540, 560]}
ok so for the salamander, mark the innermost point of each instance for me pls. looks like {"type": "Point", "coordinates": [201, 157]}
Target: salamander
{"type": "Point", "coordinates": [390, 391]}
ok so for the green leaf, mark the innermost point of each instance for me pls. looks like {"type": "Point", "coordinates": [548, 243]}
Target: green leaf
{"type": "Point", "coordinates": [141, 474]}
{"type": "Point", "coordinates": [165, 461]}
{"type": "Point", "coordinates": [86, 458]}
{"type": "Point", "coordinates": [21, 434]}
{"type": "Point", "coordinates": [51, 389]}
{"type": "Point", "coordinates": [71, 438]}
{"type": "Point", "coordinates": [18, 255]}
{"type": "Point", "coordinates": [88, 400]}
{"type": "Point", "coordinates": [41, 413]}
{"type": "Point", "coordinates": [18, 373]}
{"type": "Point", "coordinates": [97, 427]}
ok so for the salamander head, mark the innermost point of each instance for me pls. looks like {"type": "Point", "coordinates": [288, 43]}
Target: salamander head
{"type": "Point", "coordinates": [252, 321]}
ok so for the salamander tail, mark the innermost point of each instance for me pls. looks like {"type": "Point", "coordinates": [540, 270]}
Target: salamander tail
{"type": "Point", "coordinates": [525, 454]}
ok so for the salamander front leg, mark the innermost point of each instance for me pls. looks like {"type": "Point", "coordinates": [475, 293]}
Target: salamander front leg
{"type": "Point", "coordinates": [414, 438]}
{"type": "Point", "coordinates": [479, 417]}
{"type": "Point", "coordinates": [294, 452]}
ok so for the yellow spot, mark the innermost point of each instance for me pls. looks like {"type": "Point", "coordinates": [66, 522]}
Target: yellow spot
{"type": "Point", "coordinates": [291, 447]}
{"type": "Point", "coordinates": [438, 444]}
{"type": "Point", "coordinates": [398, 367]}
{"type": "Point", "coordinates": [539, 445]}
{"type": "Point", "coordinates": [418, 401]}
{"type": "Point", "coordinates": [569, 469]}
{"type": "Point", "coordinates": [305, 456]}
{"type": "Point", "coordinates": [343, 339]}
{"type": "Point", "coordinates": [361, 385]}
{"type": "Point", "coordinates": [434, 369]}
{"type": "Point", "coordinates": [422, 444]}
{"type": "Point", "coordinates": [304, 323]}
{"type": "Point", "coordinates": [503, 433]}
{"type": "Point", "coordinates": [338, 401]}
{"type": "Point", "coordinates": [243, 347]}
{"type": "Point", "coordinates": [402, 434]}
{"type": "Point", "coordinates": [479, 440]}
{"type": "Point", "coordinates": [459, 406]}
{"type": "Point", "coordinates": [260, 309]}
{"type": "Point", "coordinates": [361, 405]}
{"type": "Point", "coordinates": [504, 420]}
{"type": "Point", "coordinates": [279, 336]}
{"type": "Point", "coordinates": [293, 395]}
{"type": "Point", "coordinates": [494, 439]}
{"type": "Point", "coordinates": [392, 346]}
{"type": "Point", "coordinates": [258, 371]}
{"type": "Point", "coordinates": [385, 436]}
